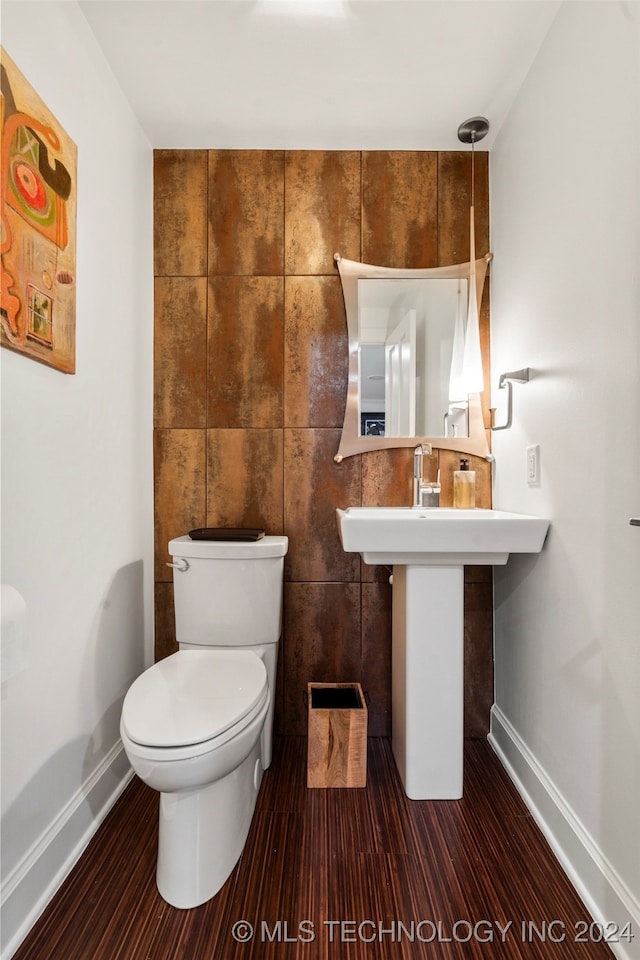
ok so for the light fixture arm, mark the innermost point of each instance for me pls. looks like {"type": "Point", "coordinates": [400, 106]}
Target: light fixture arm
{"type": "Point", "coordinates": [471, 131]}
{"type": "Point", "coordinates": [508, 379]}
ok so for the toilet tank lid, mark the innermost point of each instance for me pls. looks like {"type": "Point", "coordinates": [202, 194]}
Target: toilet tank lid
{"type": "Point", "coordinates": [269, 546]}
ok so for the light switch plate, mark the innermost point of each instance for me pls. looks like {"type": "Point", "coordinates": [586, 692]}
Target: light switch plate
{"type": "Point", "coordinates": [533, 465]}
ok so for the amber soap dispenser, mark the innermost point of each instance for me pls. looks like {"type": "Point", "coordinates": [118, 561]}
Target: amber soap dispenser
{"type": "Point", "coordinates": [464, 487]}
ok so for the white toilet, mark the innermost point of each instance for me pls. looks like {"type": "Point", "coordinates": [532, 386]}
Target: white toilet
{"type": "Point", "coordinates": [197, 726]}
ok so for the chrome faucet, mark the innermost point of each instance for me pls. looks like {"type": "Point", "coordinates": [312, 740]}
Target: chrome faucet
{"type": "Point", "coordinates": [426, 493]}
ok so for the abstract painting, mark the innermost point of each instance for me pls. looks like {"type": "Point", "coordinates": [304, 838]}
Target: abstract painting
{"type": "Point", "coordinates": [38, 235]}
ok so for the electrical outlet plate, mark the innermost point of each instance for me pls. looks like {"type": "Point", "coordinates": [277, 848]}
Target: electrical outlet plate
{"type": "Point", "coordinates": [533, 465]}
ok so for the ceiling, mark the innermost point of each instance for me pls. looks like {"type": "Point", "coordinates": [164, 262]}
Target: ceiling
{"type": "Point", "coordinates": [318, 74]}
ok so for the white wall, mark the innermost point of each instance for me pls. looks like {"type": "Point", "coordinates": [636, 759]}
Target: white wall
{"type": "Point", "coordinates": [77, 486]}
{"type": "Point", "coordinates": [566, 301]}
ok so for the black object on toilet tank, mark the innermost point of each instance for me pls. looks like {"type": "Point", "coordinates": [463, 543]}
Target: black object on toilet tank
{"type": "Point", "coordinates": [246, 534]}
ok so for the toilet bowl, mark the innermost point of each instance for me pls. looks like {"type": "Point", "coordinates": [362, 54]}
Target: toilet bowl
{"type": "Point", "coordinates": [194, 716]}
{"type": "Point", "coordinates": [191, 728]}
{"type": "Point", "coordinates": [197, 726]}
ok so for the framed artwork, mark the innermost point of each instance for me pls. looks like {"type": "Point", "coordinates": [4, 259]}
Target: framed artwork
{"type": "Point", "coordinates": [38, 237]}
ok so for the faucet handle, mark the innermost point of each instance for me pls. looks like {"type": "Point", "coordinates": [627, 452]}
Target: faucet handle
{"type": "Point", "coordinates": [429, 494]}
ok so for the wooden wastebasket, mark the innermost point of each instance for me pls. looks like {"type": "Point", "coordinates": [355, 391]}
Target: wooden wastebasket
{"type": "Point", "coordinates": [337, 742]}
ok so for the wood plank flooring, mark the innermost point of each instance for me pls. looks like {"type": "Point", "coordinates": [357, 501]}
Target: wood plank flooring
{"type": "Point", "coordinates": [354, 873]}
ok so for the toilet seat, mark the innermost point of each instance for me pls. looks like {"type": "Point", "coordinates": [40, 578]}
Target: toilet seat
{"type": "Point", "coordinates": [194, 697]}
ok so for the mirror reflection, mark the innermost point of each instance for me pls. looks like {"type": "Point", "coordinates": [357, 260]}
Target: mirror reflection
{"type": "Point", "coordinates": [406, 333]}
{"type": "Point", "coordinates": [411, 340]}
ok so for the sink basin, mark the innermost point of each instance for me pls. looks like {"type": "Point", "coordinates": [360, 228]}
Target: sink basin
{"type": "Point", "coordinates": [440, 535]}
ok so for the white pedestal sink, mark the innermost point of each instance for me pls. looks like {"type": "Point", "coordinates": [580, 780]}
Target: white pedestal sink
{"type": "Point", "coordinates": [428, 549]}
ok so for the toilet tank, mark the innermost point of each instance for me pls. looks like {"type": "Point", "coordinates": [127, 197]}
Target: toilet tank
{"type": "Point", "coordinates": [230, 594]}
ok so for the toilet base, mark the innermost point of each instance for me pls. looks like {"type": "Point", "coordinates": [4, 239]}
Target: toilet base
{"type": "Point", "coordinates": [203, 832]}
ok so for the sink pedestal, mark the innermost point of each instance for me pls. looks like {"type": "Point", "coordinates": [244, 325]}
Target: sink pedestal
{"type": "Point", "coordinates": [427, 702]}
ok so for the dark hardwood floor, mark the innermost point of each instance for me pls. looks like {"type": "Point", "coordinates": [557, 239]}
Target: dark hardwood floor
{"type": "Point", "coordinates": [333, 873]}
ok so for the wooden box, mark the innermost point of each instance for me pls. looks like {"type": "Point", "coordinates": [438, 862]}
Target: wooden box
{"type": "Point", "coordinates": [337, 744]}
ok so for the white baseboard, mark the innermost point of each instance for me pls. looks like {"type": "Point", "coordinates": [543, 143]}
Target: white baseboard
{"type": "Point", "coordinates": [602, 890]}
{"type": "Point", "coordinates": [31, 885]}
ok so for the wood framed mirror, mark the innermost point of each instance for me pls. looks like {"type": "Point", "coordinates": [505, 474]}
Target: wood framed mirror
{"type": "Point", "coordinates": [404, 331]}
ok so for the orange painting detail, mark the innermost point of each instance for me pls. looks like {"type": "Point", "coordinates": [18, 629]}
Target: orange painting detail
{"type": "Point", "coordinates": [38, 218]}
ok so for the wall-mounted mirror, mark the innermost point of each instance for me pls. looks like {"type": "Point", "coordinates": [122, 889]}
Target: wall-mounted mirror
{"type": "Point", "coordinates": [406, 333]}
